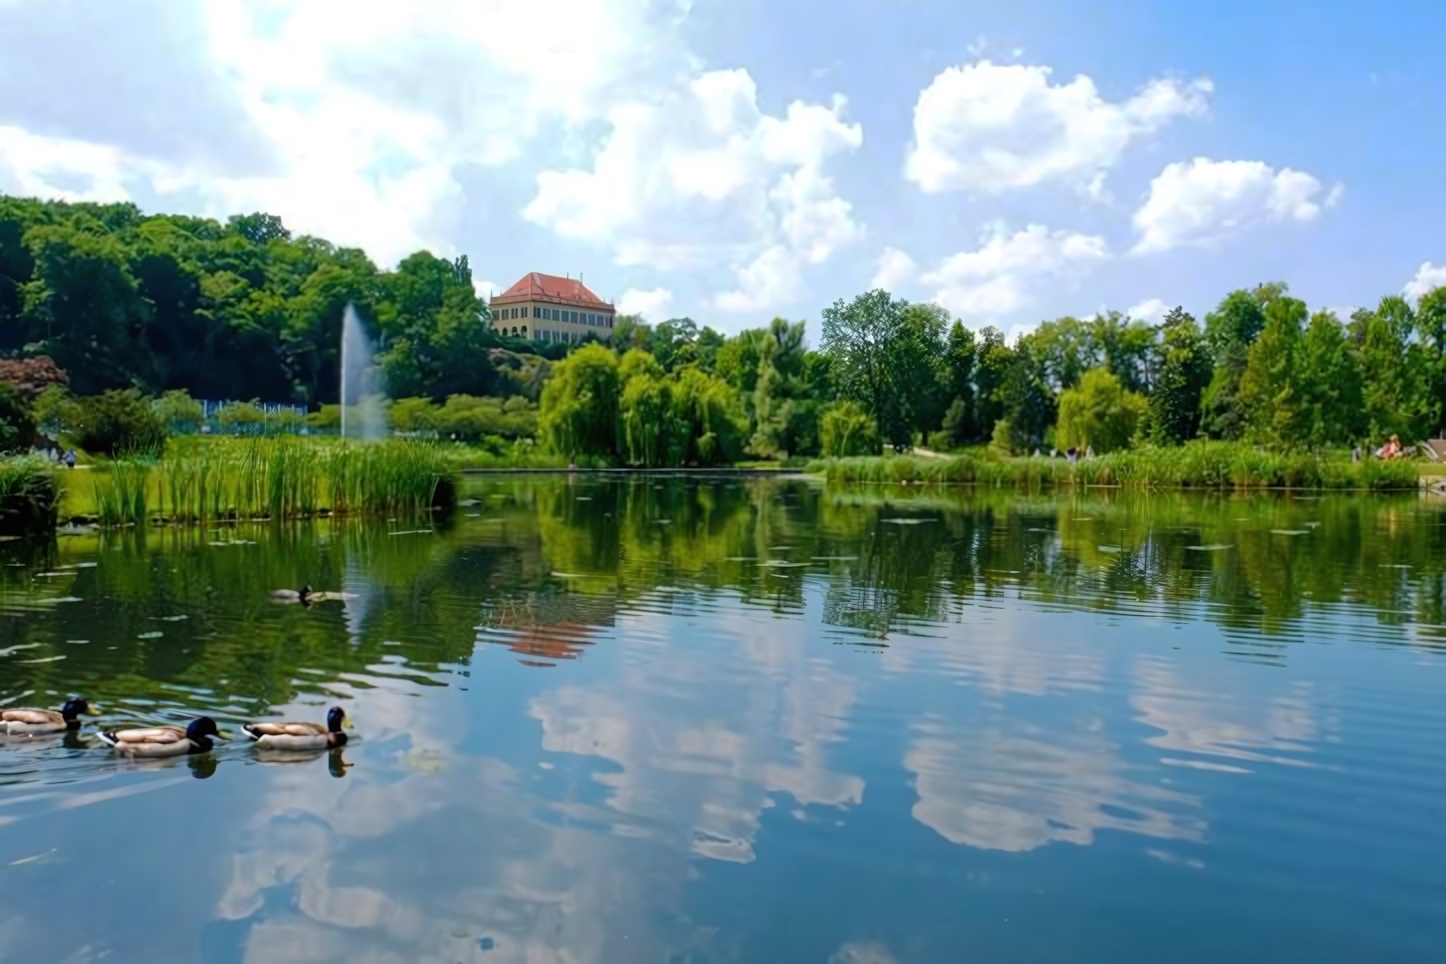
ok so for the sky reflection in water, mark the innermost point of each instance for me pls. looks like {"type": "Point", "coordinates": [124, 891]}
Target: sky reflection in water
{"type": "Point", "coordinates": [793, 723]}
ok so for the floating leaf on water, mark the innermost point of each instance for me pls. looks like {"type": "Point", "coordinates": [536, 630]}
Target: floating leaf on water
{"type": "Point", "coordinates": [569, 575]}
{"type": "Point", "coordinates": [1312, 525]}
{"type": "Point", "coordinates": [44, 659]}
{"type": "Point", "coordinates": [17, 648]}
{"type": "Point", "coordinates": [86, 565]}
{"type": "Point", "coordinates": [740, 558]}
{"type": "Point", "coordinates": [1290, 532]}
{"type": "Point", "coordinates": [906, 522]}
{"type": "Point", "coordinates": [172, 619]}
{"type": "Point", "coordinates": [1108, 548]}
{"type": "Point", "coordinates": [780, 548]}
{"type": "Point", "coordinates": [584, 498]}
{"type": "Point", "coordinates": [63, 599]}
{"type": "Point", "coordinates": [835, 558]}
{"type": "Point", "coordinates": [663, 522]}
{"type": "Point", "coordinates": [54, 574]}
{"type": "Point", "coordinates": [782, 564]}
{"type": "Point", "coordinates": [1210, 548]}
{"type": "Point", "coordinates": [469, 502]}
{"type": "Point", "coordinates": [151, 635]}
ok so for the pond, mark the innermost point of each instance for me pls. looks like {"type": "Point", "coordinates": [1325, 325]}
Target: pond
{"type": "Point", "coordinates": [693, 719]}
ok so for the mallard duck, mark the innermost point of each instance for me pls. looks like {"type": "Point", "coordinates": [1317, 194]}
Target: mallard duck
{"type": "Point", "coordinates": [300, 736]}
{"type": "Point", "coordinates": [21, 721]}
{"type": "Point", "coordinates": [164, 740]}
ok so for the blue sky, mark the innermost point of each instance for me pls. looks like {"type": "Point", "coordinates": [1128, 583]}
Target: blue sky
{"type": "Point", "coordinates": [736, 161]}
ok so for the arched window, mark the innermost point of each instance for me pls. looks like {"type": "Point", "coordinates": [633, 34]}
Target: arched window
{"type": "Point", "coordinates": [524, 331]}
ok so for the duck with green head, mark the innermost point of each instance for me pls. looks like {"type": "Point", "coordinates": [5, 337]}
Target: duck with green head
{"type": "Point", "coordinates": [155, 741]}
{"type": "Point", "coordinates": [300, 736]}
{"type": "Point", "coordinates": [25, 721]}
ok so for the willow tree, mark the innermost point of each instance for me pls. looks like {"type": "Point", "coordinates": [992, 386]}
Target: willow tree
{"type": "Point", "coordinates": [579, 410]}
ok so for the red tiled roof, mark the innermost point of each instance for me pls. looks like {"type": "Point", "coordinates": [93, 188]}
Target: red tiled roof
{"type": "Point", "coordinates": [549, 287]}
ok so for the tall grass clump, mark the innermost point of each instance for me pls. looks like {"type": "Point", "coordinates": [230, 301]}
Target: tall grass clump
{"type": "Point", "coordinates": [1199, 464]}
{"type": "Point", "coordinates": [29, 495]}
{"type": "Point", "coordinates": [282, 477]}
{"type": "Point", "coordinates": [120, 492]}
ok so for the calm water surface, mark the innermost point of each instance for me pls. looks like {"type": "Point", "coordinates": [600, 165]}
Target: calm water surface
{"type": "Point", "coordinates": [697, 720]}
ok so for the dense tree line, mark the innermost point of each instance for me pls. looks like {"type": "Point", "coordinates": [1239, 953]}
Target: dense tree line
{"type": "Point", "coordinates": [120, 300]}
{"type": "Point", "coordinates": [1261, 369]}
{"type": "Point", "coordinates": [164, 305]}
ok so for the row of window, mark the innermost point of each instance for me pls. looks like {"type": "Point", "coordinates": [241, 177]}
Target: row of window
{"type": "Point", "coordinates": [543, 334]}
{"type": "Point", "coordinates": [556, 314]}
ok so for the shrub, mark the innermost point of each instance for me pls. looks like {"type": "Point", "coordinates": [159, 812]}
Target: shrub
{"type": "Point", "coordinates": [845, 429]}
{"type": "Point", "coordinates": [17, 428]}
{"type": "Point", "coordinates": [29, 377]}
{"type": "Point", "coordinates": [28, 496]}
{"type": "Point", "coordinates": [119, 422]}
{"type": "Point", "coordinates": [180, 411]}
{"type": "Point", "coordinates": [241, 417]}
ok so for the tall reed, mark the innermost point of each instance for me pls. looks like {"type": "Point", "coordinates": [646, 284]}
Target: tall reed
{"type": "Point", "coordinates": [279, 478]}
{"type": "Point", "coordinates": [1201, 464]}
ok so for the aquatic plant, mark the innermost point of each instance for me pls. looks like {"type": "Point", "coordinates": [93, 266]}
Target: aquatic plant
{"type": "Point", "coordinates": [28, 495]}
{"type": "Point", "coordinates": [1200, 464]}
{"type": "Point", "coordinates": [286, 477]}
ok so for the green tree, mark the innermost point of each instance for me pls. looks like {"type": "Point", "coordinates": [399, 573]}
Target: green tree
{"type": "Point", "coordinates": [84, 308]}
{"type": "Point", "coordinates": [1230, 330]}
{"type": "Point", "coordinates": [1271, 392]}
{"type": "Point", "coordinates": [995, 359]}
{"type": "Point", "coordinates": [848, 430]}
{"type": "Point", "coordinates": [1099, 413]}
{"type": "Point", "coordinates": [1030, 406]}
{"type": "Point", "coordinates": [870, 345]}
{"type": "Point", "coordinates": [1182, 370]}
{"type": "Point", "coordinates": [1396, 376]}
{"type": "Point", "coordinates": [579, 411]}
{"type": "Point", "coordinates": [1330, 384]}
{"type": "Point", "coordinates": [959, 354]}
{"type": "Point", "coordinates": [1431, 326]}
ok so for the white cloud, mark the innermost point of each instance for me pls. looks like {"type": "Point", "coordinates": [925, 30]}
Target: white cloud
{"type": "Point", "coordinates": [1152, 311]}
{"type": "Point", "coordinates": [1428, 277]}
{"type": "Point", "coordinates": [896, 268]}
{"type": "Point", "coordinates": [1200, 201]}
{"type": "Point", "coordinates": [348, 119]}
{"type": "Point", "coordinates": [486, 289]}
{"type": "Point", "coordinates": [994, 127]}
{"type": "Point", "coordinates": [649, 304]}
{"type": "Point", "coordinates": [1003, 273]}
{"type": "Point", "coordinates": [701, 175]}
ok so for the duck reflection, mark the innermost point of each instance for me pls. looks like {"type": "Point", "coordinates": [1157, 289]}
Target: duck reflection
{"type": "Point", "coordinates": [336, 763]}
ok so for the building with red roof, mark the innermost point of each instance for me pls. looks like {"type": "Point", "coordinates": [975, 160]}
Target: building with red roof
{"type": "Point", "coordinates": [544, 307]}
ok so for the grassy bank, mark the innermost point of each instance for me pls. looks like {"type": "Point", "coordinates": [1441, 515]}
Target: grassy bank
{"type": "Point", "coordinates": [28, 496]}
{"type": "Point", "coordinates": [266, 478]}
{"type": "Point", "coordinates": [1210, 465]}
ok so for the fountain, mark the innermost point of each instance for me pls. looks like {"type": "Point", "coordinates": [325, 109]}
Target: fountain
{"type": "Point", "coordinates": [361, 396]}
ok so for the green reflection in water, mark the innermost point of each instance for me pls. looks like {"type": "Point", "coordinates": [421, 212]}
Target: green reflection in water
{"type": "Point", "coordinates": [713, 719]}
